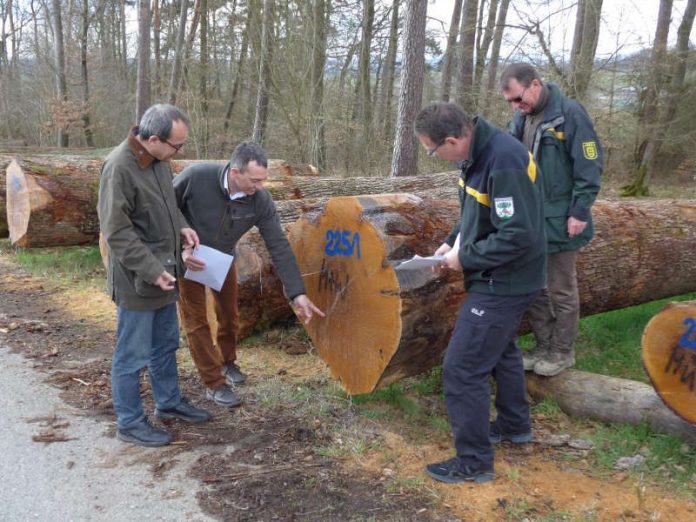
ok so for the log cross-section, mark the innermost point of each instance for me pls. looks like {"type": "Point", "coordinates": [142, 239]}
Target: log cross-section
{"type": "Point", "coordinates": [669, 357]}
{"type": "Point", "coordinates": [383, 324]}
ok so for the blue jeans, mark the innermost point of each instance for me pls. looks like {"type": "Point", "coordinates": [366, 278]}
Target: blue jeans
{"type": "Point", "coordinates": [483, 344]}
{"type": "Point", "coordinates": [144, 338]}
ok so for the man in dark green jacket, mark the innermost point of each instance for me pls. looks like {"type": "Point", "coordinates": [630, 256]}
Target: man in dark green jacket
{"type": "Point", "coordinates": [563, 141]}
{"type": "Point", "coordinates": [499, 244]}
{"type": "Point", "coordinates": [222, 203]}
{"type": "Point", "coordinates": [144, 232]}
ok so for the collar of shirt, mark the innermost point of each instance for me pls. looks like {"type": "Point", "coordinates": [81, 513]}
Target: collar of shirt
{"type": "Point", "coordinates": [142, 156]}
{"type": "Point", "coordinates": [236, 195]}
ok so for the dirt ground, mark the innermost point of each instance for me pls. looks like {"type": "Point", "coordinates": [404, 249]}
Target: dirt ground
{"type": "Point", "coordinates": [285, 465]}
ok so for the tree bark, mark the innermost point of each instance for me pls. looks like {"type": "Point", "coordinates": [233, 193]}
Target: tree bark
{"type": "Point", "coordinates": [495, 54]}
{"type": "Point", "coordinates": [387, 88]}
{"type": "Point", "coordinates": [642, 251]}
{"type": "Point", "coordinates": [176, 66]}
{"type": "Point", "coordinates": [59, 63]}
{"type": "Point", "coordinates": [451, 50]}
{"type": "Point", "coordinates": [404, 160]}
{"type": "Point", "coordinates": [142, 89]}
{"type": "Point", "coordinates": [262, 97]}
{"type": "Point", "coordinates": [669, 357]}
{"type": "Point", "coordinates": [467, 43]}
{"type": "Point", "coordinates": [609, 399]}
{"type": "Point", "coordinates": [584, 46]}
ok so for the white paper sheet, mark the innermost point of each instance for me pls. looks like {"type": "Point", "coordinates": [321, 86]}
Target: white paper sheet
{"type": "Point", "coordinates": [217, 264]}
{"type": "Point", "coordinates": [417, 262]}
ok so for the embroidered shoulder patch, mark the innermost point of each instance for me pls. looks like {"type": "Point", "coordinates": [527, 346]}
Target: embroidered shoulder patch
{"type": "Point", "coordinates": [504, 207]}
{"type": "Point", "coordinates": [589, 150]}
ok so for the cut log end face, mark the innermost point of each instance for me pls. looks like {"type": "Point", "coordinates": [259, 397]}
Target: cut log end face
{"type": "Point", "coordinates": [669, 357]}
{"type": "Point", "coordinates": [343, 261]}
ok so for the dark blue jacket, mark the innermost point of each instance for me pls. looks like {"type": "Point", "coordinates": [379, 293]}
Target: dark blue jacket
{"type": "Point", "coordinates": [502, 245]}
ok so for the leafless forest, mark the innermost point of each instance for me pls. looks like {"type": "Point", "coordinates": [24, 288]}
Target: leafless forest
{"type": "Point", "coordinates": [335, 83]}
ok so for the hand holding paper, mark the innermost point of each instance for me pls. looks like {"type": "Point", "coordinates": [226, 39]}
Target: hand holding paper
{"type": "Point", "coordinates": [209, 266]}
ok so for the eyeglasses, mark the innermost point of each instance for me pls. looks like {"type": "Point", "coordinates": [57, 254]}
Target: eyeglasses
{"type": "Point", "coordinates": [175, 147]}
{"type": "Point", "coordinates": [518, 99]}
{"type": "Point", "coordinates": [432, 151]}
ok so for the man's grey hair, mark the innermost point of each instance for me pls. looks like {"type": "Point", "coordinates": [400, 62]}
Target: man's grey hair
{"type": "Point", "coordinates": [523, 73]}
{"type": "Point", "coordinates": [246, 152]}
{"type": "Point", "coordinates": [159, 119]}
{"type": "Point", "coordinates": [442, 120]}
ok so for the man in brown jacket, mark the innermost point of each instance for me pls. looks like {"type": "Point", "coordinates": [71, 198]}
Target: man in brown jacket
{"type": "Point", "coordinates": [144, 232]}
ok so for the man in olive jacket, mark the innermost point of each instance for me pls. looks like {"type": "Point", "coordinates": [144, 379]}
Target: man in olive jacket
{"type": "Point", "coordinates": [562, 139]}
{"type": "Point", "coordinates": [500, 246]}
{"type": "Point", "coordinates": [144, 231]}
{"type": "Point", "coordinates": [222, 203]}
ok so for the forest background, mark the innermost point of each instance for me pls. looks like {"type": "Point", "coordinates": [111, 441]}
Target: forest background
{"type": "Point", "coordinates": [337, 83]}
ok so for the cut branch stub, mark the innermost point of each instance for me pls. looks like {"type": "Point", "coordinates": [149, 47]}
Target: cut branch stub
{"type": "Point", "coordinates": [669, 357]}
{"type": "Point", "coordinates": [381, 324]}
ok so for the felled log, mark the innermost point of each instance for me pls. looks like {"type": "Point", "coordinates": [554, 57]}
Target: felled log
{"type": "Point", "coordinates": [609, 399]}
{"type": "Point", "coordinates": [276, 167]}
{"type": "Point", "coordinates": [669, 356]}
{"type": "Point", "coordinates": [52, 202]}
{"type": "Point", "coordinates": [4, 162]}
{"type": "Point", "coordinates": [383, 324]}
{"type": "Point", "coordinates": [61, 192]}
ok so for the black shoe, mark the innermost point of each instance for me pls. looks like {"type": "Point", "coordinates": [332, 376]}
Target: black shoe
{"type": "Point", "coordinates": [224, 396]}
{"type": "Point", "coordinates": [144, 434]}
{"type": "Point", "coordinates": [183, 411]}
{"type": "Point", "coordinates": [452, 472]}
{"type": "Point", "coordinates": [233, 375]}
{"type": "Point", "coordinates": [497, 436]}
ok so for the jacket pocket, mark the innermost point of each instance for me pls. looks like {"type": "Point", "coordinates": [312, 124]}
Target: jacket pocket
{"type": "Point", "coordinates": [145, 289]}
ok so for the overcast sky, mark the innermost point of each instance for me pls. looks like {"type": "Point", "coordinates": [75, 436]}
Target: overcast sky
{"type": "Point", "coordinates": [631, 23]}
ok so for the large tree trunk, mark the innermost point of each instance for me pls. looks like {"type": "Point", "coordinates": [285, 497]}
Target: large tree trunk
{"type": "Point", "coordinates": [609, 399]}
{"type": "Point", "coordinates": [405, 157]}
{"type": "Point", "coordinates": [384, 324]}
{"type": "Point", "coordinates": [669, 357]}
{"type": "Point", "coordinates": [4, 162]}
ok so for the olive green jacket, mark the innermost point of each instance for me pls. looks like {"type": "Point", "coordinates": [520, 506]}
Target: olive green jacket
{"type": "Point", "coordinates": [140, 222]}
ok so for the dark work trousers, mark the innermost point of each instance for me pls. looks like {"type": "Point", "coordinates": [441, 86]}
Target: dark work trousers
{"type": "Point", "coordinates": [483, 344]}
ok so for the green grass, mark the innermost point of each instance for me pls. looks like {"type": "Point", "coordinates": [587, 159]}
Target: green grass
{"type": "Point", "coordinates": [609, 343]}
{"type": "Point", "coordinates": [72, 263]}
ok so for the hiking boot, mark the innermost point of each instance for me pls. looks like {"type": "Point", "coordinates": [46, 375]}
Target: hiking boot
{"type": "Point", "coordinates": [184, 411]}
{"type": "Point", "coordinates": [497, 436]}
{"type": "Point", "coordinates": [144, 434]}
{"type": "Point", "coordinates": [223, 395]}
{"type": "Point", "coordinates": [554, 364]}
{"type": "Point", "coordinates": [452, 472]}
{"type": "Point", "coordinates": [533, 356]}
{"type": "Point", "coordinates": [233, 375]}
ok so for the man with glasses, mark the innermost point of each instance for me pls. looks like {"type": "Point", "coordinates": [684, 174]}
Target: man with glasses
{"type": "Point", "coordinates": [145, 233]}
{"type": "Point", "coordinates": [222, 204]}
{"type": "Point", "coordinates": [562, 139]}
{"type": "Point", "coordinates": [499, 245]}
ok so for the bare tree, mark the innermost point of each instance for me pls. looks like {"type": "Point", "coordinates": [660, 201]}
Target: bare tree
{"type": "Point", "coordinates": [317, 141]}
{"type": "Point", "coordinates": [404, 160]}
{"type": "Point", "coordinates": [584, 48]}
{"type": "Point", "coordinates": [178, 52]}
{"type": "Point", "coordinates": [59, 64]}
{"type": "Point", "coordinates": [262, 97]}
{"type": "Point", "coordinates": [387, 90]}
{"type": "Point", "coordinates": [364, 103]}
{"type": "Point", "coordinates": [89, 138]}
{"type": "Point", "coordinates": [142, 84]}
{"type": "Point", "coordinates": [467, 43]}
{"type": "Point", "coordinates": [657, 119]}
{"type": "Point", "coordinates": [451, 50]}
{"type": "Point", "coordinates": [495, 54]}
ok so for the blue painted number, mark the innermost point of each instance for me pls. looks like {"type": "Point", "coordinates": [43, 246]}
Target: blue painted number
{"type": "Point", "coordinates": [340, 243]}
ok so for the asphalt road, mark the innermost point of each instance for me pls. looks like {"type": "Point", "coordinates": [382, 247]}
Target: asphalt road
{"type": "Point", "coordinates": [91, 477]}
